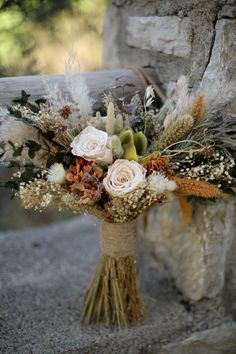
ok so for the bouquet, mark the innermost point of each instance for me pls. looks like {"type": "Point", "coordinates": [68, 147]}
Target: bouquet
{"type": "Point", "coordinates": [115, 164]}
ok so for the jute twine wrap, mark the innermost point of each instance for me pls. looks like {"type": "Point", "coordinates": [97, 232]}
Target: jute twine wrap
{"type": "Point", "coordinates": [118, 239]}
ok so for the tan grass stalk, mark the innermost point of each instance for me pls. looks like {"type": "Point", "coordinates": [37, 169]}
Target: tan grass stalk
{"type": "Point", "coordinates": [113, 295]}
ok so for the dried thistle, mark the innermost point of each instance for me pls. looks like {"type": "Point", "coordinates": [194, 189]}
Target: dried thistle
{"type": "Point", "coordinates": [65, 112]}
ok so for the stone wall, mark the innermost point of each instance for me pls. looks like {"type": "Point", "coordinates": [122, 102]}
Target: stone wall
{"type": "Point", "coordinates": [197, 38]}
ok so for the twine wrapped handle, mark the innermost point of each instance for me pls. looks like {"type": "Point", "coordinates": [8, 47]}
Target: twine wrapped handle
{"type": "Point", "coordinates": [113, 294]}
{"type": "Point", "coordinates": [118, 239]}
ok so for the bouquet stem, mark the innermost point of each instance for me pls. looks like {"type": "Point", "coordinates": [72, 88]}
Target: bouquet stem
{"type": "Point", "coordinates": [113, 294]}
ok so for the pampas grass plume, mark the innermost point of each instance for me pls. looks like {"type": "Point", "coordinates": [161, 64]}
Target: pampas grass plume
{"type": "Point", "coordinates": [198, 108]}
{"type": "Point", "coordinates": [119, 123]}
{"type": "Point", "coordinates": [117, 150]}
{"type": "Point", "coordinates": [110, 123]}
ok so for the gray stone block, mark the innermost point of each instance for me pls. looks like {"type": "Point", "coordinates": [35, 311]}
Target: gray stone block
{"type": "Point", "coordinates": [220, 340]}
{"type": "Point", "coordinates": [44, 273]}
{"type": "Point", "coordinates": [196, 254]}
{"type": "Point", "coordinates": [166, 34]}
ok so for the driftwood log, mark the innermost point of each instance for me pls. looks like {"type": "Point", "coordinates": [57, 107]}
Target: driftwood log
{"type": "Point", "coordinates": [97, 82]}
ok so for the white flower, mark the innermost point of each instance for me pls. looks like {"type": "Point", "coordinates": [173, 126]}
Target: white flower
{"type": "Point", "coordinates": [56, 173]}
{"type": "Point", "coordinates": [149, 96]}
{"type": "Point", "coordinates": [160, 184]}
{"type": "Point", "coordinates": [93, 145]}
{"type": "Point", "coordinates": [123, 177]}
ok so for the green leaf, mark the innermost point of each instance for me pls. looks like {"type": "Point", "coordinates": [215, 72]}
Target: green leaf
{"type": "Point", "coordinates": [40, 101]}
{"type": "Point", "coordinates": [31, 153]}
{"type": "Point", "coordinates": [18, 151]}
{"type": "Point", "coordinates": [24, 95]}
{"type": "Point", "coordinates": [14, 163]}
{"type": "Point", "coordinates": [49, 135]}
{"type": "Point", "coordinates": [2, 144]}
{"type": "Point", "coordinates": [10, 184]}
{"type": "Point", "coordinates": [33, 145]}
{"type": "Point", "coordinates": [27, 175]}
{"type": "Point", "coordinates": [12, 144]}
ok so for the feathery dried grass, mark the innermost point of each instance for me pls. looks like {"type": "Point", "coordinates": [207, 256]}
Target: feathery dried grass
{"type": "Point", "coordinates": [198, 108]}
{"type": "Point", "coordinates": [177, 131]}
{"type": "Point", "coordinates": [193, 187]}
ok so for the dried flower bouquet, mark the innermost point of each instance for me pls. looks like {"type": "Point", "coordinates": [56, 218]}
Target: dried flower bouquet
{"type": "Point", "coordinates": [115, 166]}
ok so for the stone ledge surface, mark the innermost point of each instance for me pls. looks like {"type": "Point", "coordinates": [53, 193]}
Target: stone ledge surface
{"type": "Point", "coordinates": [45, 271]}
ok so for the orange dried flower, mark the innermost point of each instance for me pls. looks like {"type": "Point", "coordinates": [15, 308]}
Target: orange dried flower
{"type": "Point", "coordinates": [159, 163]}
{"type": "Point", "coordinates": [198, 108]}
{"type": "Point", "coordinates": [193, 187]}
{"type": "Point", "coordinates": [76, 172]}
{"type": "Point", "coordinates": [84, 180]}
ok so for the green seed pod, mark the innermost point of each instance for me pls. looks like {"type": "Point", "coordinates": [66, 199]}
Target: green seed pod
{"type": "Point", "coordinates": [127, 140]}
{"type": "Point", "coordinates": [126, 136]}
{"type": "Point", "coordinates": [141, 143]}
{"type": "Point", "coordinates": [130, 152]}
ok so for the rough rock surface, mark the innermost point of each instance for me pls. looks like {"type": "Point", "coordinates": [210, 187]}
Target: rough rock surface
{"type": "Point", "coordinates": [220, 340]}
{"type": "Point", "coordinates": [199, 256]}
{"type": "Point", "coordinates": [196, 254]}
{"type": "Point", "coordinates": [123, 48]}
{"type": "Point", "coordinates": [166, 34]}
{"type": "Point", "coordinates": [44, 273]}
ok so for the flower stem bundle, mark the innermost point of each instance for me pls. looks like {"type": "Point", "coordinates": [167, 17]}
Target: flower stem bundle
{"type": "Point", "coordinates": [113, 294]}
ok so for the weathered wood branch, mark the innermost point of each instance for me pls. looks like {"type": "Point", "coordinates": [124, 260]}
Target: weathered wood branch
{"type": "Point", "coordinates": [97, 82]}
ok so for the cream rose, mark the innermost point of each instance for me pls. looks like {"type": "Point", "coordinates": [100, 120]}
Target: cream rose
{"type": "Point", "coordinates": [93, 144]}
{"type": "Point", "coordinates": [123, 177]}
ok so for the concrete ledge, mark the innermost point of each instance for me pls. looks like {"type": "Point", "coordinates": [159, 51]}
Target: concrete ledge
{"type": "Point", "coordinates": [44, 272]}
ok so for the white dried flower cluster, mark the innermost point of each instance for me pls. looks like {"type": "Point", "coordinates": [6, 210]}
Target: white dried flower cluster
{"type": "Point", "coordinates": [72, 201]}
{"type": "Point", "coordinates": [158, 184]}
{"type": "Point", "coordinates": [217, 168]}
{"type": "Point", "coordinates": [56, 173]}
{"type": "Point", "coordinates": [128, 207]}
{"type": "Point", "coordinates": [131, 205]}
{"type": "Point", "coordinates": [39, 194]}
{"type": "Point", "coordinates": [149, 96]}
